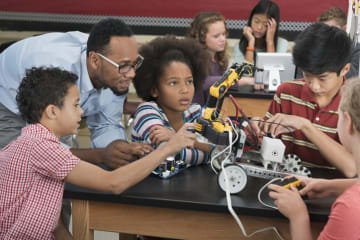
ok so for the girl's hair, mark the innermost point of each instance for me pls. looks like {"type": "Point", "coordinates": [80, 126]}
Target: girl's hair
{"type": "Point", "coordinates": [162, 51]}
{"type": "Point", "coordinates": [350, 100]}
{"type": "Point", "coordinates": [199, 28]}
{"type": "Point", "coordinates": [271, 10]}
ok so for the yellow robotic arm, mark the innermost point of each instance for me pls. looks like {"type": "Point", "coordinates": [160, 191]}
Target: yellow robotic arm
{"type": "Point", "coordinates": [209, 125]}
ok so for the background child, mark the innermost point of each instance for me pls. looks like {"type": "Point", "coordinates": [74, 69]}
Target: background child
{"type": "Point", "coordinates": [261, 33]}
{"type": "Point", "coordinates": [34, 166]}
{"type": "Point", "coordinates": [336, 17]}
{"type": "Point", "coordinates": [209, 28]}
{"type": "Point", "coordinates": [305, 110]}
{"type": "Point", "coordinates": [172, 70]}
{"type": "Point", "coordinates": [344, 219]}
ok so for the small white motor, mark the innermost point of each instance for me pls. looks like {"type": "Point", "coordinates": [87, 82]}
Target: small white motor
{"type": "Point", "coordinates": [272, 151]}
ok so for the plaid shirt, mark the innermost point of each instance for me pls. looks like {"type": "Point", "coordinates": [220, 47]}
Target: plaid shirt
{"type": "Point", "coordinates": [32, 172]}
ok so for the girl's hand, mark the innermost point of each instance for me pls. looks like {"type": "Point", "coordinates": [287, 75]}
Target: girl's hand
{"type": "Point", "coordinates": [246, 81]}
{"type": "Point", "coordinates": [288, 201]}
{"type": "Point", "coordinates": [160, 134]}
{"type": "Point", "coordinates": [271, 30]}
{"type": "Point", "coordinates": [258, 86]}
{"type": "Point", "coordinates": [316, 188]}
{"type": "Point", "coordinates": [248, 33]}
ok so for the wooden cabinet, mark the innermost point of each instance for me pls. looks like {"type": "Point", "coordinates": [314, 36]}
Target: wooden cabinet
{"type": "Point", "coordinates": [252, 107]}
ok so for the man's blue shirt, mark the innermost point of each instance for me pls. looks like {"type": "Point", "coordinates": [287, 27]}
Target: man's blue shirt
{"type": "Point", "coordinates": [67, 51]}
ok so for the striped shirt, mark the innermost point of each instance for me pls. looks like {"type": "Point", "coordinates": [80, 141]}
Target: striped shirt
{"type": "Point", "coordinates": [32, 172]}
{"type": "Point", "coordinates": [296, 98]}
{"type": "Point", "coordinates": [149, 114]}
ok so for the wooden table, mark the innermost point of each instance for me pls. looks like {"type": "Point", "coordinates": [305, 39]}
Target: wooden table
{"type": "Point", "coordinates": [190, 205]}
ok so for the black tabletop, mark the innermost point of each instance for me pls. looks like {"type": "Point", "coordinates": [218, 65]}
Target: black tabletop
{"type": "Point", "coordinates": [196, 189]}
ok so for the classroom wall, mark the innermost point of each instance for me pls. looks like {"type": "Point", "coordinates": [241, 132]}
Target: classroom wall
{"type": "Point", "coordinates": [297, 11]}
{"type": "Point", "coordinates": [150, 16]}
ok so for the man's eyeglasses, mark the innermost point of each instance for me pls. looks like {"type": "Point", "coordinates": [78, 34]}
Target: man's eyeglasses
{"type": "Point", "coordinates": [124, 68]}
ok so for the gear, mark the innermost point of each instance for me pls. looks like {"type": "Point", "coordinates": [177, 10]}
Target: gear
{"type": "Point", "coordinates": [292, 164]}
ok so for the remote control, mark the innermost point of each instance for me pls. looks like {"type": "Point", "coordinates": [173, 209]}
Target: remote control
{"type": "Point", "coordinates": [287, 182]}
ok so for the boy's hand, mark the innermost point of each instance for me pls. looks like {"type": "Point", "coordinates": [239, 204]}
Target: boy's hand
{"type": "Point", "coordinates": [159, 134]}
{"type": "Point", "coordinates": [120, 152]}
{"type": "Point", "coordinates": [182, 139]}
{"type": "Point", "coordinates": [288, 201]}
{"type": "Point", "coordinates": [257, 124]}
{"type": "Point", "coordinates": [283, 123]}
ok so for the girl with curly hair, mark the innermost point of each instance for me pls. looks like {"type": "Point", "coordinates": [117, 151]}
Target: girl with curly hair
{"type": "Point", "coordinates": [173, 69]}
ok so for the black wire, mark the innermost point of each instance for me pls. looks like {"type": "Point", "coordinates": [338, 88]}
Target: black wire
{"type": "Point", "coordinates": [261, 120]}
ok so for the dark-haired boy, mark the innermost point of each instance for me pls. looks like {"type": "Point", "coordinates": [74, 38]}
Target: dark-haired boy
{"type": "Point", "coordinates": [336, 17]}
{"type": "Point", "coordinates": [305, 111]}
{"type": "Point", "coordinates": [34, 167]}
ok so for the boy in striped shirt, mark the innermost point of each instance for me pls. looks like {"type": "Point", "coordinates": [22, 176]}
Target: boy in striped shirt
{"type": "Point", "coordinates": [304, 111]}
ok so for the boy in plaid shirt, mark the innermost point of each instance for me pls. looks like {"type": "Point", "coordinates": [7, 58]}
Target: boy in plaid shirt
{"type": "Point", "coordinates": [35, 166]}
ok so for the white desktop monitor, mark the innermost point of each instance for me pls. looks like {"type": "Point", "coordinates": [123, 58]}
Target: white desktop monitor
{"type": "Point", "coordinates": [278, 68]}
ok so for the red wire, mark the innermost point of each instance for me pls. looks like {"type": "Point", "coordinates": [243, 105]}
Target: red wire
{"type": "Point", "coordinates": [244, 116]}
{"type": "Point", "coordinates": [236, 106]}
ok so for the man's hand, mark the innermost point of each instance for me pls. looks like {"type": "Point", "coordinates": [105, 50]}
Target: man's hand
{"type": "Point", "coordinates": [159, 134]}
{"type": "Point", "coordinates": [120, 152]}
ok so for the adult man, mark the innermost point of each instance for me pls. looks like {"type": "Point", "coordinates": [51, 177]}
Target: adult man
{"type": "Point", "coordinates": [105, 61]}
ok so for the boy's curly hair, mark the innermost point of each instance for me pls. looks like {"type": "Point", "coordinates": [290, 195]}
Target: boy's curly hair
{"type": "Point", "coordinates": [41, 87]}
{"type": "Point", "coordinates": [160, 52]}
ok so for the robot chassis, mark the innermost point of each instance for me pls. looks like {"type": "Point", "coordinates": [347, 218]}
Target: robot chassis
{"type": "Point", "coordinates": [268, 162]}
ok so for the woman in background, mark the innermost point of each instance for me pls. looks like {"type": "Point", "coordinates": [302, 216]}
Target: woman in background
{"type": "Point", "coordinates": [261, 33]}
